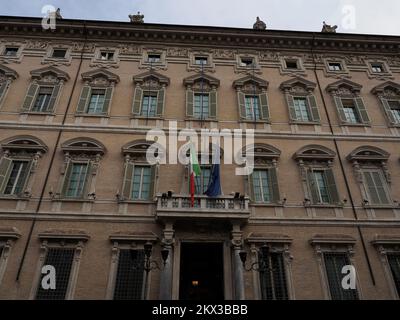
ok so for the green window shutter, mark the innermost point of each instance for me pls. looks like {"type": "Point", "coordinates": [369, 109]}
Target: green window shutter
{"type": "Point", "coordinates": [127, 183]}
{"type": "Point", "coordinates": [362, 110]}
{"type": "Point", "coordinates": [388, 111]}
{"type": "Point", "coordinates": [84, 99]}
{"type": "Point", "coordinates": [152, 182]}
{"type": "Point", "coordinates": [107, 99]}
{"type": "Point", "coordinates": [264, 106]}
{"type": "Point", "coordinates": [213, 104]}
{"type": "Point", "coordinates": [160, 102]}
{"type": "Point", "coordinates": [251, 186]}
{"type": "Point", "coordinates": [3, 87]}
{"type": "Point", "coordinates": [312, 104]}
{"type": "Point", "coordinates": [242, 105]}
{"type": "Point", "coordinates": [274, 185]}
{"type": "Point", "coordinates": [339, 109]}
{"type": "Point", "coordinates": [380, 188]}
{"type": "Point", "coordinates": [86, 187]}
{"type": "Point", "coordinates": [312, 186]}
{"type": "Point", "coordinates": [5, 167]}
{"type": "Point", "coordinates": [189, 103]}
{"type": "Point", "coordinates": [67, 175]}
{"type": "Point", "coordinates": [25, 179]}
{"type": "Point", "coordinates": [332, 187]}
{"type": "Point", "coordinates": [53, 99]}
{"type": "Point", "coordinates": [137, 101]}
{"type": "Point", "coordinates": [290, 103]}
{"type": "Point", "coordinates": [30, 97]}
{"type": "Point", "coordinates": [369, 184]}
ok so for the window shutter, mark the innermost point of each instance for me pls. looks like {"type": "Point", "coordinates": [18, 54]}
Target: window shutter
{"type": "Point", "coordinates": [5, 167]}
{"type": "Point", "coordinates": [152, 182]}
{"type": "Point", "coordinates": [66, 179]}
{"type": "Point", "coordinates": [380, 186]}
{"type": "Point", "coordinates": [53, 99]}
{"type": "Point", "coordinates": [333, 193]}
{"type": "Point", "coordinates": [339, 109]}
{"type": "Point", "coordinates": [3, 87]}
{"type": "Point", "coordinates": [26, 175]}
{"type": "Point", "coordinates": [189, 103]}
{"type": "Point", "coordinates": [312, 105]}
{"type": "Point", "coordinates": [362, 110]}
{"type": "Point", "coordinates": [127, 183]}
{"type": "Point", "coordinates": [369, 184]}
{"type": "Point", "coordinates": [388, 111]}
{"type": "Point", "coordinates": [273, 178]}
{"type": "Point", "coordinates": [213, 104]}
{"type": "Point", "coordinates": [290, 103]}
{"type": "Point", "coordinates": [160, 102]}
{"type": "Point", "coordinates": [242, 105]}
{"type": "Point", "coordinates": [264, 106]}
{"type": "Point", "coordinates": [251, 187]}
{"type": "Point", "coordinates": [30, 97]}
{"type": "Point", "coordinates": [86, 187]}
{"type": "Point", "coordinates": [107, 99]}
{"type": "Point", "coordinates": [312, 185]}
{"type": "Point", "coordinates": [84, 99]}
{"type": "Point", "coordinates": [137, 101]}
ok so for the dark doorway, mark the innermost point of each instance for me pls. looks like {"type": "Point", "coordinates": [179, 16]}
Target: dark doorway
{"type": "Point", "coordinates": [202, 272]}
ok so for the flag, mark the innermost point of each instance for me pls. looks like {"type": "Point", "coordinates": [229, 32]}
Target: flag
{"type": "Point", "coordinates": [194, 171]}
{"type": "Point", "coordinates": [214, 185]}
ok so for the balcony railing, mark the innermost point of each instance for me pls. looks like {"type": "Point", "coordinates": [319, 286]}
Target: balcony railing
{"type": "Point", "coordinates": [219, 207]}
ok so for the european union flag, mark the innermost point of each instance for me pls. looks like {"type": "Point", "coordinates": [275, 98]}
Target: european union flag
{"type": "Point", "coordinates": [214, 186]}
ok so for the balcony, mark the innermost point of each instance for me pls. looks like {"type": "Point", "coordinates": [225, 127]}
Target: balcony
{"type": "Point", "coordinates": [223, 207]}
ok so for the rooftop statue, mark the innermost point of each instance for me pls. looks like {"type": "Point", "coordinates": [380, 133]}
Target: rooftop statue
{"type": "Point", "coordinates": [137, 18]}
{"type": "Point", "coordinates": [328, 28]}
{"type": "Point", "coordinates": [259, 25]}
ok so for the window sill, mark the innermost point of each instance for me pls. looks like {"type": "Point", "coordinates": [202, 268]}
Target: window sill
{"type": "Point", "coordinates": [95, 115]}
{"type": "Point", "coordinates": [254, 121]}
{"type": "Point", "coordinates": [325, 206]}
{"type": "Point", "coordinates": [149, 117]}
{"type": "Point", "coordinates": [310, 123]}
{"type": "Point", "coordinates": [271, 205]}
{"type": "Point", "coordinates": [137, 201]}
{"type": "Point", "coordinates": [204, 120]}
{"type": "Point", "coordinates": [72, 200]}
{"type": "Point", "coordinates": [348, 124]}
{"type": "Point", "coordinates": [38, 113]}
{"type": "Point", "coordinates": [380, 206]}
{"type": "Point", "coordinates": [14, 197]}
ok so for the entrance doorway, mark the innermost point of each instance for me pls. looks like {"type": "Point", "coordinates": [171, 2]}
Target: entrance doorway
{"type": "Point", "coordinates": [202, 271]}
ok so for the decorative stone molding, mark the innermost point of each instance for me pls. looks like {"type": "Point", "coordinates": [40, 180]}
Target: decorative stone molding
{"type": "Point", "coordinates": [60, 235]}
{"type": "Point", "coordinates": [262, 151]}
{"type": "Point", "coordinates": [268, 238]}
{"type": "Point", "coordinates": [208, 67]}
{"type": "Point", "coordinates": [49, 75]}
{"type": "Point", "coordinates": [254, 68]}
{"type": "Point", "coordinates": [388, 90]}
{"type": "Point", "coordinates": [17, 58]}
{"type": "Point", "coordinates": [49, 59]}
{"type": "Point", "coordinates": [100, 78]}
{"type": "Point", "coordinates": [284, 70]}
{"type": "Point", "coordinates": [368, 154]}
{"type": "Point", "coordinates": [314, 153]}
{"type": "Point", "coordinates": [7, 74]}
{"type": "Point", "coordinates": [8, 236]}
{"type": "Point", "coordinates": [160, 65]}
{"type": "Point", "coordinates": [334, 240]}
{"type": "Point", "coordinates": [83, 145]}
{"type": "Point", "coordinates": [385, 75]}
{"type": "Point", "coordinates": [208, 82]}
{"type": "Point", "coordinates": [98, 62]}
{"type": "Point", "coordinates": [344, 87]}
{"type": "Point", "coordinates": [152, 80]}
{"type": "Point", "coordinates": [136, 151]}
{"type": "Point", "coordinates": [339, 74]}
{"type": "Point", "coordinates": [133, 237]}
{"type": "Point", "coordinates": [250, 85]}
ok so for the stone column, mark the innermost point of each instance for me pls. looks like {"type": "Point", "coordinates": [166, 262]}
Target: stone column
{"type": "Point", "coordinates": [237, 244]}
{"type": "Point", "coordinates": [166, 272]}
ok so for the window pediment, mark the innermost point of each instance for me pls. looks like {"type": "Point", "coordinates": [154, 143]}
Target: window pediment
{"type": "Point", "coordinates": [368, 153]}
{"type": "Point", "coordinates": [151, 79]}
{"type": "Point", "coordinates": [314, 152]}
{"type": "Point", "coordinates": [195, 81]}
{"type": "Point", "coordinates": [7, 73]}
{"type": "Point", "coordinates": [129, 236]}
{"type": "Point", "coordinates": [268, 238]}
{"type": "Point", "coordinates": [137, 150]}
{"type": "Point", "coordinates": [49, 74]}
{"type": "Point", "coordinates": [387, 89]}
{"type": "Point", "coordinates": [9, 233]}
{"type": "Point", "coordinates": [53, 235]}
{"type": "Point", "coordinates": [332, 239]}
{"type": "Point", "coordinates": [386, 240]}
{"type": "Point", "coordinates": [83, 145]}
{"type": "Point", "coordinates": [298, 85]}
{"type": "Point", "coordinates": [249, 83]}
{"type": "Point", "coordinates": [344, 87]}
{"type": "Point", "coordinates": [262, 151]}
{"type": "Point", "coordinates": [24, 143]}
{"type": "Point", "coordinates": [100, 77]}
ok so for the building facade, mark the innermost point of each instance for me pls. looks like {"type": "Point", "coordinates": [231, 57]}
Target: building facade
{"type": "Point", "coordinates": [77, 193]}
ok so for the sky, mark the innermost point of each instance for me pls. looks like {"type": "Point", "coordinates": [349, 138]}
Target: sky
{"type": "Point", "coordinates": [351, 16]}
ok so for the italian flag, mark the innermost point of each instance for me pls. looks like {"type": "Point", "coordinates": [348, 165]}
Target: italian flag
{"type": "Point", "coordinates": [194, 171]}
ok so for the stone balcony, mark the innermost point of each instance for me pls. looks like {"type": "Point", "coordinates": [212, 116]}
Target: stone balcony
{"type": "Point", "coordinates": [222, 207]}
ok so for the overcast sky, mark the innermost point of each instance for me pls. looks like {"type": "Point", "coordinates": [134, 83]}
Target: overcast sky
{"type": "Point", "coordinates": [352, 16]}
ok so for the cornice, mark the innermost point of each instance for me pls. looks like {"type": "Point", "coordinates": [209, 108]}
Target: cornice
{"type": "Point", "coordinates": [199, 35]}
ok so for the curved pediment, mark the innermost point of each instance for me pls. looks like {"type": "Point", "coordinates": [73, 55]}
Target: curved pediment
{"type": "Point", "coordinates": [49, 71]}
{"type": "Point", "coordinates": [368, 153]}
{"type": "Point", "coordinates": [190, 81]}
{"type": "Point", "coordinates": [297, 82]}
{"type": "Point", "coordinates": [140, 147]}
{"type": "Point", "coordinates": [387, 88]}
{"type": "Point", "coordinates": [250, 80]}
{"type": "Point", "coordinates": [345, 86]}
{"type": "Point", "coordinates": [25, 142]}
{"type": "Point", "coordinates": [7, 72]}
{"type": "Point", "coordinates": [150, 77]}
{"type": "Point", "coordinates": [83, 145]}
{"type": "Point", "coordinates": [262, 150]}
{"type": "Point", "coordinates": [100, 73]}
{"type": "Point", "coordinates": [314, 152]}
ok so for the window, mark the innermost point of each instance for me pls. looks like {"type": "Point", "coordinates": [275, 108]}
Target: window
{"type": "Point", "coordinates": [377, 68]}
{"type": "Point", "coordinates": [273, 280]}
{"type": "Point", "coordinates": [252, 104]}
{"type": "Point", "coordinates": [141, 183]}
{"type": "Point", "coordinates": [149, 104]}
{"type": "Point", "coordinates": [350, 111]}
{"type": "Point", "coordinates": [59, 53]}
{"type": "Point", "coordinates": [130, 275]}
{"type": "Point", "coordinates": [246, 62]}
{"type": "Point", "coordinates": [76, 180]}
{"type": "Point", "coordinates": [394, 263]}
{"type": "Point", "coordinates": [291, 64]}
{"type": "Point", "coordinates": [17, 177]}
{"type": "Point", "coordinates": [42, 101]}
{"type": "Point", "coordinates": [200, 60]}
{"type": "Point", "coordinates": [11, 51]}
{"type": "Point", "coordinates": [262, 185]}
{"type": "Point", "coordinates": [394, 106]}
{"type": "Point", "coordinates": [201, 106]}
{"type": "Point", "coordinates": [335, 66]}
{"type": "Point", "coordinates": [334, 262]}
{"type": "Point", "coordinates": [61, 259]}
{"type": "Point", "coordinates": [301, 109]}
{"type": "Point", "coordinates": [106, 55]}
{"type": "Point", "coordinates": [376, 187]}
{"type": "Point", "coordinates": [154, 58]}
{"type": "Point", "coordinates": [96, 102]}
{"type": "Point", "coordinates": [321, 186]}
{"type": "Point", "coordinates": [202, 181]}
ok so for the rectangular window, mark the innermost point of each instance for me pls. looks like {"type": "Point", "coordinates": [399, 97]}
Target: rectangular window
{"type": "Point", "coordinates": [76, 180]}
{"type": "Point", "coordinates": [246, 62]}
{"type": "Point", "coordinates": [59, 53]}
{"type": "Point", "coordinates": [149, 104]}
{"type": "Point", "coordinates": [335, 66]}
{"type": "Point", "coordinates": [106, 55]}
{"type": "Point", "coordinates": [141, 183]}
{"type": "Point", "coordinates": [272, 277]}
{"type": "Point", "coordinates": [301, 109]}
{"type": "Point", "coordinates": [96, 102]}
{"type": "Point", "coordinates": [154, 58]}
{"type": "Point", "coordinates": [334, 262]}
{"type": "Point", "coordinates": [252, 104]}
{"type": "Point", "coordinates": [377, 68]}
{"type": "Point", "coordinates": [201, 60]}
{"type": "Point", "coordinates": [321, 186]}
{"type": "Point", "coordinates": [201, 106]}
{"type": "Point", "coordinates": [61, 259]}
{"type": "Point", "coordinates": [376, 187]}
{"type": "Point", "coordinates": [17, 177]}
{"type": "Point", "coordinates": [394, 263]}
{"type": "Point", "coordinates": [394, 106]}
{"type": "Point", "coordinates": [42, 101]}
{"type": "Point", "coordinates": [291, 64]}
{"type": "Point", "coordinates": [11, 51]}
{"type": "Point", "coordinates": [350, 111]}
{"type": "Point", "coordinates": [262, 187]}
{"type": "Point", "coordinates": [201, 182]}
{"type": "Point", "coordinates": [130, 275]}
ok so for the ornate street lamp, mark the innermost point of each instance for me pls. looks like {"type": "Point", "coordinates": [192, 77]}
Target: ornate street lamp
{"type": "Point", "coordinates": [263, 263]}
